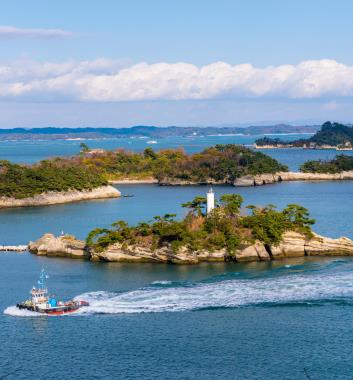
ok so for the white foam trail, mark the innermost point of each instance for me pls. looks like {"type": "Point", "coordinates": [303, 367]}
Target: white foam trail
{"type": "Point", "coordinates": [229, 293]}
{"type": "Point", "coordinates": [16, 312]}
{"type": "Point", "coordinates": [161, 282]}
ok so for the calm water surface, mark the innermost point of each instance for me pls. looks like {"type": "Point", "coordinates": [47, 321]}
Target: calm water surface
{"type": "Point", "coordinates": [229, 321]}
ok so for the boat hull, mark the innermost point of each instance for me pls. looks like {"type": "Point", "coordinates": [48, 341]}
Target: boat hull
{"type": "Point", "coordinates": [59, 310]}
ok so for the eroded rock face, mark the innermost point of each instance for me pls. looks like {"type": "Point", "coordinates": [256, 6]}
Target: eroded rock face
{"type": "Point", "coordinates": [254, 252]}
{"type": "Point", "coordinates": [62, 246]}
{"type": "Point", "coordinates": [247, 180]}
{"type": "Point", "coordinates": [292, 245]}
{"type": "Point", "coordinates": [139, 254]}
{"type": "Point", "coordinates": [324, 246]}
{"type": "Point", "coordinates": [264, 179]}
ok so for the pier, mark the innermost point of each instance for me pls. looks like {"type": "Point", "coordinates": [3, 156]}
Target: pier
{"type": "Point", "coordinates": [13, 248]}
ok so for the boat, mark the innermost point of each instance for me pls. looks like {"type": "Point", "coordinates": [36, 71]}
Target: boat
{"type": "Point", "coordinates": [41, 302]}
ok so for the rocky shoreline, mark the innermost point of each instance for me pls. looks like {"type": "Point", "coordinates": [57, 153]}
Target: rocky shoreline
{"type": "Point", "coordinates": [248, 180]}
{"type": "Point", "coordinates": [127, 181]}
{"type": "Point", "coordinates": [293, 244]}
{"type": "Point", "coordinates": [53, 197]}
{"type": "Point", "coordinates": [264, 179]}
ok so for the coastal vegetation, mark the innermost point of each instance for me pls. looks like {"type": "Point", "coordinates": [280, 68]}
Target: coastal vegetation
{"type": "Point", "coordinates": [228, 227]}
{"type": "Point", "coordinates": [337, 165]}
{"type": "Point", "coordinates": [330, 135]}
{"type": "Point", "coordinates": [220, 163]}
{"type": "Point", "coordinates": [94, 168]}
{"type": "Point", "coordinates": [22, 181]}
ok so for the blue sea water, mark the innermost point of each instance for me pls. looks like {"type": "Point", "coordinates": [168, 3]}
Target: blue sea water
{"type": "Point", "coordinates": [289, 319]}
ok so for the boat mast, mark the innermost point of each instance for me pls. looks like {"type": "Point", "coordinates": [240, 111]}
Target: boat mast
{"type": "Point", "coordinates": [41, 282]}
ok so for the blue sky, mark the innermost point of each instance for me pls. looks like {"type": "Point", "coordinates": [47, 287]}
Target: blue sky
{"type": "Point", "coordinates": [196, 62]}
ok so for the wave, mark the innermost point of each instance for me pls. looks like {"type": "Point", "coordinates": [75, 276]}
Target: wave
{"type": "Point", "coordinates": [15, 312]}
{"type": "Point", "coordinates": [161, 282]}
{"type": "Point", "coordinates": [293, 289]}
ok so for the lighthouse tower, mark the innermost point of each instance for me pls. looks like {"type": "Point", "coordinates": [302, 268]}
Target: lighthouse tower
{"type": "Point", "coordinates": [210, 200]}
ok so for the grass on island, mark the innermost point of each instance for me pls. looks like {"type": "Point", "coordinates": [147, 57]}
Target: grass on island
{"type": "Point", "coordinates": [225, 227]}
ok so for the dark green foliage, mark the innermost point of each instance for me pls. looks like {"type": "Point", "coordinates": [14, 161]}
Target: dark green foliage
{"type": "Point", "coordinates": [334, 134]}
{"type": "Point", "coordinates": [197, 205]}
{"type": "Point", "coordinates": [299, 217]}
{"type": "Point", "coordinates": [84, 148]}
{"type": "Point", "coordinates": [222, 228]}
{"type": "Point", "coordinates": [221, 163]}
{"type": "Point", "coordinates": [268, 224]}
{"type": "Point", "coordinates": [232, 203]}
{"type": "Point", "coordinates": [21, 181]}
{"type": "Point", "coordinates": [338, 164]}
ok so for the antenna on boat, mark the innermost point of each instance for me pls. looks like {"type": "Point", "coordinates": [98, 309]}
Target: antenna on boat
{"type": "Point", "coordinates": [43, 276]}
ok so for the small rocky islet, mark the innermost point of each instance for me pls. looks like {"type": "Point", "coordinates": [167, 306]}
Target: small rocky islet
{"type": "Point", "coordinates": [222, 234]}
{"type": "Point", "coordinates": [293, 244]}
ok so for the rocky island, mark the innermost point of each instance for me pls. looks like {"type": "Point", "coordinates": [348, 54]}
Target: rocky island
{"type": "Point", "coordinates": [224, 234]}
{"type": "Point", "coordinates": [51, 182]}
{"type": "Point", "coordinates": [331, 136]}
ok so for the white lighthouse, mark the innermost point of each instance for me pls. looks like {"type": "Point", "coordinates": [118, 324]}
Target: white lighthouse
{"type": "Point", "coordinates": [210, 200]}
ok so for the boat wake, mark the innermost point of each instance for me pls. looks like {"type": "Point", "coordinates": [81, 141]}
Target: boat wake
{"type": "Point", "coordinates": [16, 312]}
{"type": "Point", "coordinates": [297, 289]}
{"type": "Point", "coordinates": [312, 285]}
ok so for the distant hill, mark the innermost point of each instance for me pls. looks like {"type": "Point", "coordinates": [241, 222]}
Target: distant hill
{"type": "Point", "coordinates": [51, 133]}
{"type": "Point", "coordinates": [330, 134]}
{"type": "Point", "coordinates": [333, 134]}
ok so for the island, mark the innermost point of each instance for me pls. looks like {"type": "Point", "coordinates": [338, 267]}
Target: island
{"type": "Point", "coordinates": [331, 136]}
{"type": "Point", "coordinates": [223, 234]}
{"type": "Point", "coordinates": [143, 131]}
{"type": "Point", "coordinates": [50, 182]}
{"type": "Point", "coordinates": [219, 164]}
{"type": "Point", "coordinates": [89, 175]}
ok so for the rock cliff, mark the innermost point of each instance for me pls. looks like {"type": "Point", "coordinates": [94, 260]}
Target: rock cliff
{"type": "Point", "coordinates": [62, 246]}
{"type": "Point", "coordinates": [263, 179]}
{"type": "Point", "coordinates": [54, 197]}
{"type": "Point", "coordinates": [293, 244]}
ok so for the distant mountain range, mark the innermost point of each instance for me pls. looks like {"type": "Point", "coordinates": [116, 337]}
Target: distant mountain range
{"type": "Point", "coordinates": [52, 133]}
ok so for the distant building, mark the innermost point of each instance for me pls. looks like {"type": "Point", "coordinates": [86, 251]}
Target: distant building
{"type": "Point", "coordinates": [210, 200]}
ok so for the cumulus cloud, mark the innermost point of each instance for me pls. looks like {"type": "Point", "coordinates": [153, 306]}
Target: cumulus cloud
{"type": "Point", "coordinates": [105, 80]}
{"type": "Point", "coordinates": [12, 31]}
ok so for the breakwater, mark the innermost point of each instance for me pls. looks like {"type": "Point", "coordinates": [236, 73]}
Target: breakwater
{"type": "Point", "coordinates": [13, 248]}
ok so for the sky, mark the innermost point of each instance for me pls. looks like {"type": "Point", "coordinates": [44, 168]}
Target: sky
{"type": "Point", "coordinates": [119, 63]}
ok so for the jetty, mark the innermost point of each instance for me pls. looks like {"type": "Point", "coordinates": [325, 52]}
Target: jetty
{"type": "Point", "coordinates": [13, 248]}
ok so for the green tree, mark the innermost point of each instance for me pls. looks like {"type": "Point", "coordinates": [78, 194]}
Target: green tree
{"type": "Point", "coordinates": [84, 148]}
{"type": "Point", "coordinates": [197, 205]}
{"type": "Point", "coordinates": [299, 217]}
{"type": "Point", "coordinates": [232, 203]}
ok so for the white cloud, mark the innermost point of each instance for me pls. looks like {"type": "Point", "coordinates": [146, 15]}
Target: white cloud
{"type": "Point", "coordinates": [12, 31]}
{"type": "Point", "coordinates": [104, 80]}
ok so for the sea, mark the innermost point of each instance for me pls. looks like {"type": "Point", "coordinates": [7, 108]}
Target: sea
{"type": "Point", "coordinates": [286, 319]}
